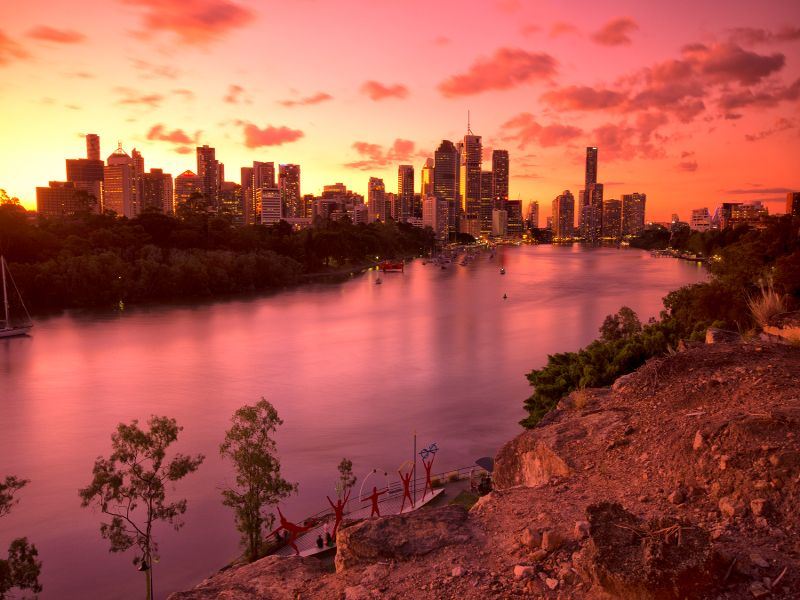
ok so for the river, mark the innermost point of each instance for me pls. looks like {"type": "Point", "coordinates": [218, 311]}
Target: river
{"type": "Point", "coordinates": [353, 368]}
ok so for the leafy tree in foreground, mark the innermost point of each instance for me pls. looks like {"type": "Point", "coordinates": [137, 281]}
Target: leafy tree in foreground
{"type": "Point", "coordinates": [21, 569]}
{"type": "Point", "coordinates": [249, 444]}
{"type": "Point", "coordinates": [131, 487]}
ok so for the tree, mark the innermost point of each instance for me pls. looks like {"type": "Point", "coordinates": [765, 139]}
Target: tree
{"type": "Point", "coordinates": [346, 478]}
{"type": "Point", "coordinates": [130, 487]}
{"type": "Point", "coordinates": [22, 568]}
{"type": "Point", "coordinates": [622, 325]}
{"type": "Point", "coordinates": [249, 444]}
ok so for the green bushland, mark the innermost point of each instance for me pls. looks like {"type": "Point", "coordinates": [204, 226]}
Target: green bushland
{"type": "Point", "coordinates": [92, 260]}
{"type": "Point", "coordinates": [744, 259]}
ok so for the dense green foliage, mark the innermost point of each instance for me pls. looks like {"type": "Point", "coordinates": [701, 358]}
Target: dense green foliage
{"type": "Point", "coordinates": [100, 260]}
{"type": "Point", "coordinates": [250, 445]}
{"type": "Point", "coordinates": [130, 487]}
{"type": "Point", "coordinates": [22, 567]}
{"type": "Point", "coordinates": [744, 259]}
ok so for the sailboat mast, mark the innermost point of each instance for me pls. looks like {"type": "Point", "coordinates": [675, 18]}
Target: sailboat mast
{"type": "Point", "coordinates": [7, 325]}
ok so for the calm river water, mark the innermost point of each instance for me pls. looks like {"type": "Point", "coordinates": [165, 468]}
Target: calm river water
{"type": "Point", "coordinates": [353, 369]}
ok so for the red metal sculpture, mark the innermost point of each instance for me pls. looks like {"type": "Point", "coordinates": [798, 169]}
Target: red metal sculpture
{"type": "Point", "coordinates": [374, 497]}
{"type": "Point", "coordinates": [428, 483]}
{"type": "Point", "coordinates": [338, 510]}
{"type": "Point", "coordinates": [293, 529]}
{"type": "Point", "coordinates": [406, 479]}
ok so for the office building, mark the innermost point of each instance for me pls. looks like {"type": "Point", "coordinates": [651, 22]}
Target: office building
{"type": "Point", "coordinates": [499, 178]}
{"type": "Point", "coordinates": [93, 146]}
{"type": "Point", "coordinates": [445, 182]}
{"type": "Point", "coordinates": [289, 185]}
{"type": "Point", "coordinates": [270, 199]}
{"type": "Point", "coordinates": [563, 216]}
{"type": "Point", "coordinates": [470, 184]}
{"type": "Point", "coordinates": [405, 193]}
{"type": "Point", "coordinates": [633, 213]}
{"type": "Point", "coordinates": [155, 189]}
{"type": "Point", "coordinates": [793, 204]}
{"type": "Point", "coordinates": [208, 172]}
{"type": "Point", "coordinates": [434, 215]}
{"type": "Point", "coordinates": [499, 222]}
{"type": "Point", "coordinates": [376, 200]}
{"type": "Point", "coordinates": [514, 217]}
{"type": "Point", "coordinates": [487, 202]}
{"type": "Point", "coordinates": [61, 199]}
{"type": "Point", "coordinates": [187, 184]}
{"type": "Point", "coordinates": [533, 215]}
{"type": "Point", "coordinates": [248, 204]}
{"type": "Point", "coordinates": [612, 219]}
{"type": "Point", "coordinates": [701, 219]}
{"type": "Point", "coordinates": [119, 185]}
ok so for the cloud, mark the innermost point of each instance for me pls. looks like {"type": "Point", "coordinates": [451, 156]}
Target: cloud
{"type": "Point", "coordinates": [10, 50]}
{"type": "Point", "coordinates": [525, 130]}
{"type": "Point", "coordinates": [753, 36]}
{"type": "Point", "coordinates": [629, 139]}
{"type": "Point", "coordinates": [374, 156]}
{"type": "Point", "coordinates": [767, 96]}
{"type": "Point", "coordinates": [184, 149]}
{"type": "Point", "coordinates": [730, 63]}
{"type": "Point", "coordinates": [442, 40]}
{"type": "Point", "coordinates": [255, 137]}
{"type": "Point", "coordinates": [313, 99]}
{"type": "Point", "coordinates": [530, 29]}
{"type": "Point", "coordinates": [196, 22]}
{"type": "Point", "coordinates": [758, 190]}
{"type": "Point", "coordinates": [690, 166]}
{"type": "Point", "coordinates": [378, 91]}
{"type": "Point", "coordinates": [80, 75]}
{"type": "Point", "coordinates": [234, 94]}
{"type": "Point", "coordinates": [781, 124]}
{"type": "Point", "coordinates": [59, 36]}
{"type": "Point", "coordinates": [186, 94]}
{"type": "Point", "coordinates": [616, 32]}
{"type": "Point", "coordinates": [176, 136]}
{"type": "Point", "coordinates": [134, 98]}
{"type": "Point", "coordinates": [560, 28]}
{"type": "Point", "coordinates": [153, 71]}
{"type": "Point", "coordinates": [505, 69]}
{"type": "Point", "coordinates": [581, 97]}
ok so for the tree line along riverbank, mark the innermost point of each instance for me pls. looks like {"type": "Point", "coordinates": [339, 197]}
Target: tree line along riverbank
{"type": "Point", "coordinates": [99, 260]}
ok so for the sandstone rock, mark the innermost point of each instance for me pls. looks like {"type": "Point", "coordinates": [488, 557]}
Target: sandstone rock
{"type": "Point", "coordinates": [758, 560]}
{"type": "Point", "coordinates": [357, 592]}
{"type": "Point", "coordinates": [272, 577]}
{"type": "Point", "coordinates": [457, 571]}
{"type": "Point", "coordinates": [551, 583]}
{"type": "Point", "coordinates": [523, 571]}
{"type": "Point", "coordinates": [759, 590]}
{"type": "Point", "coordinates": [730, 507]}
{"type": "Point", "coordinates": [721, 336]}
{"type": "Point", "coordinates": [678, 496]}
{"type": "Point", "coordinates": [401, 537]}
{"type": "Point", "coordinates": [581, 530]}
{"type": "Point", "coordinates": [631, 559]}
{"type": "Point", "coordinates": [758, 506]}
{"type": "Point", "coordinates": [530, 538]}
{"type": "Point", "coordinates": [538, 555]}
{"type": "Point", "coordinates": [697, 443]}
{"type": "Point", "coordinates": [551, 540]}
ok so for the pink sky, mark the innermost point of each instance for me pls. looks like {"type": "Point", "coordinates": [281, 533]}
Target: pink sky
{"type": "Point", "coordinates": [693, 102]}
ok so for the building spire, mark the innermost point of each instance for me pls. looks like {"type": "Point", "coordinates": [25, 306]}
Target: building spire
{"type": "Point", "coordinates": [469, 129]}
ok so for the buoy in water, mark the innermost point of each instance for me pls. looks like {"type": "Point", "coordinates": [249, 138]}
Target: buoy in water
{"type": "Point", "coordinates": [505, 296]}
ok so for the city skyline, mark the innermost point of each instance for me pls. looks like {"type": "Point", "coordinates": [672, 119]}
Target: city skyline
{"type": "Point", "coordinates": [693, 110]}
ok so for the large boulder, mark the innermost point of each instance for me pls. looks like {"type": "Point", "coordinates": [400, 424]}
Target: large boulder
{"type": "Point", "coordinates": [662, 559]}
{"type": "Point", "coordinates": [400, 537]}
{"type": "Point", "coordinates": [273, 577]}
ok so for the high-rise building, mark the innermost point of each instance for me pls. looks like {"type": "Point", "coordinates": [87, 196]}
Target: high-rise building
{"type": "Point", "coordinates": [187, 184]}
{"type": "Point", "coordinates": [470, 184]}
{"type": "Point", "coordinates": [405, 192]}
{"type": "Point", "coordinates": [87, 175]}
{"type": "Point", "coordinates": [594, 213]}
{"type": "Point", "coordinates": [119, 185]}
{"type": "Point", "coordinates": [155, 190]}
{"type": "Point", "coordinates": [270, 199]}
{"type": "Point", "coordinates": [499, 222]}
{"type": "Point", "coordinates": [533, 214]}
{"type": "Point", "coordinates": [445, 182]}
{"type": "Point", "coordinates": [591, 166]}
{"type": "Point", "coordinates": [701, 219]}
{"type": "Point", "coordinates": [514, 217]}
{"type": "Point", "coordinates": [793, 204]}
{"type": "Point", "coordinates": [248, 205]}
{"type": "Point", "coordinates": [138, 162]}
{"type": "Point", "coordinates": [208, 172]}
{"type": "Point", "coordinates": [487, 202]}
{"type": "Point", "coordinates": [633, 209]}
{"type": "Point", "coordinates": [563, 216]}
{"type": "Point", "coordinates": [426, 179]}
{"type": "Point", "coordinates": [376, 199]}
{"type": "Point", "coordinates": [61, 199]}
{"type": "Point", "coordinates": [750, 213]}
{"type": "Point", "coordinates": [93, 146]}
{"type": "Point", "coordinates": [289, 184]}
{"type": "Point", "coordinates": [434, 215]}
{"type": "Point", "coordinates": [230, 202]}
{"type": "Point", "coordinates": [500, 178]}
{"type": "Point", "coordinates": [612, 219]}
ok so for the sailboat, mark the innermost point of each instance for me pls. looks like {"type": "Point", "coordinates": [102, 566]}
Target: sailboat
{"type": "Point", "coordinates": [7, 329]}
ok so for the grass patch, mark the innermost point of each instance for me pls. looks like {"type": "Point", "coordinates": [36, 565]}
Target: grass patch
{"type": "Point", "coordinates": [465, 499]}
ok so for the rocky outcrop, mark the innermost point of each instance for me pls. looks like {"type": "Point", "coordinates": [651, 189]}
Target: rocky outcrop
{"type": "Point", "coordinates": [784, 327]}
{"type": "Point", "coordinates": [401, 537]}
{"type": "Point", "coordinates": [273, 578]}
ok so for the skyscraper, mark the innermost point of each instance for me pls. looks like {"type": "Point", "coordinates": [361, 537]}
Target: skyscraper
{"type": "Point", "coordinates": [186, 185]}
{"type": "Point", "coordinates": [612, 219]}
{"type": "Point", "coordinates": [119, 184]}
{"type": "Point", "coordinates": [426, 178]}
{"type": "Point", "coordinates": [445, 182]}
{"type": "Point", "coordinates": [470, 184]}
{"type": "Point", "coordinates": [533, 215]}
{"type": "Point", "coordinates": [208, 172]}
{"type": "Point", "coordinates": [93, 146]}
{"type": "Point", "coordinates": [376, 199]}
{"type": "Point", "coordinates": [633, 213]}
{"type": "Point", "coordinates": [248, 205]}
{"type": "Point", "coordinates": [87, 175]}
{"type": "Point", "coordinates": [591, 166]}
{"type": "Point", "coordinates": [563, 216]}
{"type": "Point", "coordinates": [60, 199]}
{"type": "Point", "coordinates": [270, 199]}
{"type": "Point", "coordinates": [500, 178]}
{"type": "Point", "coordinates": [405, 192]}
{"type": "Point", "coordinates": [289, 184]}
{"type": "Point", "coordinates": [138, 162]}
{"type": "Point", "coordinates": [793, 204]}
{"type": "Point", "coordinates": [487, 202]}
{"type": "Point", "coordinates": [592, 209]}
{"type": "Point", "coordinates": [155, 191]}
{"type": "Point", "coordinates": [514, 217]}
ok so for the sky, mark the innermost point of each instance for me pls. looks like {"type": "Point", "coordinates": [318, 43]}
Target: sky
{"type": "Point", "coordinates": [690, 102]}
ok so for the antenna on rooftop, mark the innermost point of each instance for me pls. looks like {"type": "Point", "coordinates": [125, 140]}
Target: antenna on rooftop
{"type": "Point", "coordinates": [469, 129]}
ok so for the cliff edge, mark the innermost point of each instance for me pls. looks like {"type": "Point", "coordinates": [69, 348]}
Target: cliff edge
{"type": "Point", "coordinates": [682, 480]}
